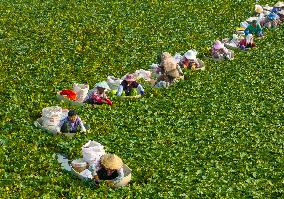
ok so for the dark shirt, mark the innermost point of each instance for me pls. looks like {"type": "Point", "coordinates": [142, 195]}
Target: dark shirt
{"type": "Point", "coordinates": [102, 174]}
{"type": "Point", "coordinates": [127, 88]}
{"type": "Point", "coordinates": [68, 126]}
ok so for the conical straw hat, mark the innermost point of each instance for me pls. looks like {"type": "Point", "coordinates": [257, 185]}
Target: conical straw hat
{"type": "Point", "coordinates": [111, 161]}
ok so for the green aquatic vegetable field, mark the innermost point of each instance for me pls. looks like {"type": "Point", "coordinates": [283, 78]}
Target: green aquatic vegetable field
{"type": "Point", "coordinates": [218, 134]}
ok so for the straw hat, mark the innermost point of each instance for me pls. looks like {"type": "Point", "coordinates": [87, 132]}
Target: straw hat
{"type": "Point", "coordinates": [111, 161]}
{"type": "Point", "coordinates": [191, 54]}
{"type": "Point", "coordinates": [166, 55]}
{"type": "Point", "coordinates": [129, 77]}
{"type": "Point", "coordinates": [218, 45]}
{"type": "Point", "coordinates": [103, 85]}
{"type": "Point", "coordinates": [279, 4]}
{"type": "Point", "coordinates": [258, 8]}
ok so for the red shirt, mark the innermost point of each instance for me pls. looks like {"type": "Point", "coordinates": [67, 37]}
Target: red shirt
{"type": "Point", "coordinates": [244, 43]}
{"type": "Point", "coordinates": [188, 63]}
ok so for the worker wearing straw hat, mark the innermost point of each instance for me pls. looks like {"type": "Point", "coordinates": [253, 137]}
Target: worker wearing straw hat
{"type": "Point", "coordinates": [97, 95]}
{"type": "Point", "coordinates": [272, 20]}
{"type": "Point", "coordinates": [258, 9]}
{"type": "Point", "coordinates": [219, 51]}
{"type": "Point", "coordinates": [170, 70]}
{"type": "Point", "coordinates": [247, 43]}
{"type": "Point", "coordinates": [110, 168]}
{"type": "Point", "coordinates": [128, 84]}
{"type": "Point", "coordinates": [189, 60]}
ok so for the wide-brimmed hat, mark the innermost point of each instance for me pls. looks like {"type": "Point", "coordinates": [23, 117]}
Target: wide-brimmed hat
{"type": "Point", "coordinates": [103, 85]}
{"type": "Point", "coordinates": [258, 8]}
{"type": "Point", "coordinates": [129, 78]}
{"type": "Point", "coordinates": [166, 55]}
{"type": "Point", "coordinates": [111, 161]}
{"type": "Point", "coordinates": [218, 45]}
{"type": "Point", "coordinates": [191, 54]}
{"type": "Point", "coordinates": [279, 4]}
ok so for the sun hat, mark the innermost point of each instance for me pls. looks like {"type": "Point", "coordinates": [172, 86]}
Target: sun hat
{"type": "Point", "coordinates": [129, 77]}
{"type": "Point", "coordinates": [111, 161]}
{"type": "Point", "coordinates": [191, 54]}
{"type": "Point", "coordinates": [218, 45]}
{"type": "Point", "coordinates": [258, 8]}
{"type": "Point", "coordinates": [166, 55]}
{"type": "Point", "coordinates": [279, 4]}
{"type": "Point", "coordinates": [103, 85]}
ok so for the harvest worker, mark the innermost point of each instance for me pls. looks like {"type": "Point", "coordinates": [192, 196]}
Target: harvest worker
{"type": "Point", "coordinates": [97, 95]}
{"type": "Point", "coordinates": [72, 123]}
{"type": "Point", "coordinates": [254, 28]}
{"type": "Point", "coordinates": [109, 168]}
{"type": "Point", "coordinates": [272, 20]}
{"type": "Point", "coordinates": [128, 84]}
{"type": "Point", "coordinates": [190, 60]}
{"type": "Point", "coordinates": [219, 51]}
{"type": "Point", "coordinates": [170, 70]}
{"type": "Point", "coordinates": [247, 42]}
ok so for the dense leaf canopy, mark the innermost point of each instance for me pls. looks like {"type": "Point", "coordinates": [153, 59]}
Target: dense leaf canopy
{"type": "Point", "coordinates": [218, 134]}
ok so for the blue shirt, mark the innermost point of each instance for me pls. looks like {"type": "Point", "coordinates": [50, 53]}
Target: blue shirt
{"type": "Point", "coordinates": [73, 125]}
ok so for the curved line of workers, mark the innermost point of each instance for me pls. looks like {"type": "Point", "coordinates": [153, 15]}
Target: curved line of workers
{"type": "Point", "coordinates": [110, 166]}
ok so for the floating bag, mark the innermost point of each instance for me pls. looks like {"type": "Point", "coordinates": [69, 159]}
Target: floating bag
{"type": "Point", "coordinates": [72, 95]}
{"type": "Point", "coordinates": [81, 90]}
{"type": "Point", "coordinates": [113, 82]}
{"type": "Point", "coordinates": [51, 116]}
{"type": "Point", "coordinates": [146, 75]}
{"type": "Point", "coordinates": [92, 152]}
{"type": "Point", "coordinates": [50, 111]}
